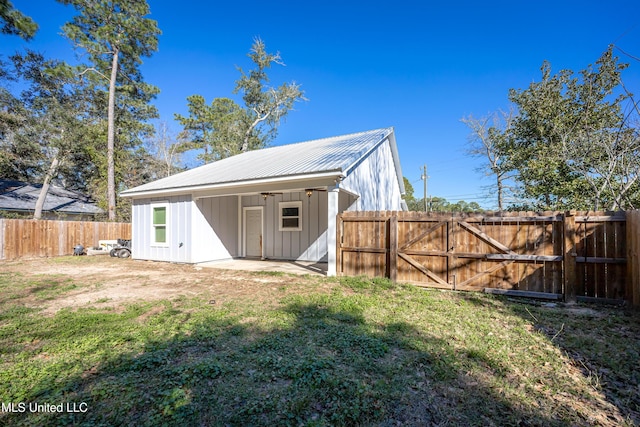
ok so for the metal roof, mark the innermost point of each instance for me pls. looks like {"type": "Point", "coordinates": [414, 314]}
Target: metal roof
{"type": "Point", "coordinates": [22, 196]}
{"type": "Point", "coordinates": [336, 154]}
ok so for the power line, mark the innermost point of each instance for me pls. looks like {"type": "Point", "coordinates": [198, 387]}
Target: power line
{"type": "Point", "coordinates": [628, 54]}
{"type": "Point", "coordinates": [625, 33]}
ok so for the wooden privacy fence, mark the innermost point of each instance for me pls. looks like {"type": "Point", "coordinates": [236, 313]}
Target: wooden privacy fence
{"type": "Point", "coordinates": [553, 255]}
{"type": "Point", "coordinates": [31, 238]}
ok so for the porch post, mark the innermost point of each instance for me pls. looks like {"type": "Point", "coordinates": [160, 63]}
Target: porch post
{"type": "Point", "coordinates": [332, 214]}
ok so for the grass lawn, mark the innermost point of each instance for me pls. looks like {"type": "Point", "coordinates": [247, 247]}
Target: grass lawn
{"type": "Point", "coordinates": [311, 351]}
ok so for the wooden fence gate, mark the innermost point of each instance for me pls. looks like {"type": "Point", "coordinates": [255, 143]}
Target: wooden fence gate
{"type": "Point", "coordinates": [551, 255]}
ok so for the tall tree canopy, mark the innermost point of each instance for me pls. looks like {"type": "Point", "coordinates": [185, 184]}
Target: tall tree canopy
{"type": "Point", "coordinates": [224, 128]}
{"type": "Point", "coordinates": [571, 137]}
{"type": "Point", "coordinates": [47, 131]}
{"type": "Point", "coordinates": [12, 21]}
{"type": "Point", "coordinates": [56, 111]}
{"type": "Point", "coordinates": [573, 142]}
{"type": "Point", "coordinates": [116, 34]}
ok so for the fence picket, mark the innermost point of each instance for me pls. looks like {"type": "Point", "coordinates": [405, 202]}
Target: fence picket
{"type": "Point", "coordinates": [574, 254]}
{"type": "Point", "coordinates": [47, 238]}
{"type": "Point", "coordinates": [633, 257]}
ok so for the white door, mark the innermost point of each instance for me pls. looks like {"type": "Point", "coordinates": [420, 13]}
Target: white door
{"type": "Point", "coordinates": [253, 232]}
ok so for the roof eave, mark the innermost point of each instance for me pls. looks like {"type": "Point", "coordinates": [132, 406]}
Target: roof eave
{"type": "Point", "coordinates": [230, 185]}
{"type": "Point", "coordinates": [396, 162]}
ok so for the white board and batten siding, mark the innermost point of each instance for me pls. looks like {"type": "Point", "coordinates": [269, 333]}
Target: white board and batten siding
{"type": "Point", "coordinates": [307, 244]}
{"type": "Point", "coordinates": [197, 230]}
{"type": "Point", "coordinates": [178, 229]}
{"type": "Point", "coordinates": [375, 180]}
{"type": "Point", "coordinates": [206, 206]}
{"type": "Point", "coordinates": [215, 226]}
{"type": "Point", "coordinates": [215, 229]}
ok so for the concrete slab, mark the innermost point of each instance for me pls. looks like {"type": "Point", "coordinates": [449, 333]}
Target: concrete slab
{"type": "Point", "coordinates": [293, 267]}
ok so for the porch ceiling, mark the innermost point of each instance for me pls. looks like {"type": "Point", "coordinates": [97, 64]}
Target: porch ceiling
{"type": "Point", "coordinates": [271, 187]}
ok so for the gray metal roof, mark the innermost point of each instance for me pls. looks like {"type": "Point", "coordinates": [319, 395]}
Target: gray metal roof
{"type": "Point", "coordinates": [22, 196]}
{"type": "Point", "coordinates": [336, 154]}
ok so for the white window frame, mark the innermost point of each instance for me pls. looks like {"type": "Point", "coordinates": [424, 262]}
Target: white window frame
{"type": "Point", "coordinates": [284, 205]}
{"type": "Point", "coordinates": [166, 224]}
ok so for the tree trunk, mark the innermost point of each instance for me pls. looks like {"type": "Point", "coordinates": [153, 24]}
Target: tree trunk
{"type": "Point", "coordinates": [500, 191]}
{"type": "Point", "coordinates": [37, 214]}
{"type": "Point", "coordinates": [247, 134]}
{"type": "Point", "coordinates": [245, 141]}
{"type": "Point", "coordinates": [111, 178]}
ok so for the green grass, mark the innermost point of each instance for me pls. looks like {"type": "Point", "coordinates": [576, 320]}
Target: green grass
{"type": "Point", "coordinates": [269, 273]}
{"type": "Point", "coordinates": [41, 287]}
{"type": "Point", "coordinates": [368, 353]}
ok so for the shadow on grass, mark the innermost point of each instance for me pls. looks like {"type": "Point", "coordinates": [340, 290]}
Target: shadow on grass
{"type": "Point", "coordinates": [319, 363]}
{"type": "Point", "coordinates": [602, 342]}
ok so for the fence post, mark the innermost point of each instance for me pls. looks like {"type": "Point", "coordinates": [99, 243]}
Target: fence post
{"type": "Point", "coordinates": [569, 222]}
{"type": "Point", "coordinates": [392, 261]}
{"type": "Point", "coordinates": [1, 238]}
{"type": "Point", "coordinates": [633, 258]}
{"type": "Point", "coordinates": [339, 232]}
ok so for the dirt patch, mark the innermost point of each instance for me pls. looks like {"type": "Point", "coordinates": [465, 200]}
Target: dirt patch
{"type": "Point", "coordinates": [111, 282]}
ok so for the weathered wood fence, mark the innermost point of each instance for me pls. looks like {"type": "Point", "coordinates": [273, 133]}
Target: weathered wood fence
{"type": "Point", "coordinates": [554, 255]}
{"type": "Point", "coordinates": [30, 238]}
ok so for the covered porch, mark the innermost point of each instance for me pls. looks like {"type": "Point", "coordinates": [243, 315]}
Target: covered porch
{"type": "Point", "coordinates": [290, 224]}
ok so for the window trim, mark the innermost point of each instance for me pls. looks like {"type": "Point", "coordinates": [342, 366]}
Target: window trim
{"type": "Point", "coordinates": [292, 204]}
{"type": "Point", "coordinates": [166, 224]}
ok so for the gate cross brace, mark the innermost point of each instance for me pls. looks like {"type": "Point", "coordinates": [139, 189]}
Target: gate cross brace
{"type": "Point", "coordinates": [493, 242]}
{"type": "Point", "coordinates": [423, 269]}
{"type": "Point", "coordinates": [422, 235]}
{"type": "Point", "coordinates": [415, 263]}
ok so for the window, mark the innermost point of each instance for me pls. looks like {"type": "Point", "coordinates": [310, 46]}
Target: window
{"type": "Point", "coordinates": [159, 221]}
{"type": "Point", "coordinates": [290, 216]}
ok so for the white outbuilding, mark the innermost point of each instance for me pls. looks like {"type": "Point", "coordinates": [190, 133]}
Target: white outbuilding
{"type": "Point", "coordinates": [277, 203]}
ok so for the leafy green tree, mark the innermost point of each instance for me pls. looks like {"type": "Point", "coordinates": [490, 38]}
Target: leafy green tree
{"type": "Point", "coordinates": [265, 105]}
{"type": "Point", "coordinates": [51, 115]}
{"type": "Point", "coordinates": [198, 127]}
{"type": "Point", "coordinates": [408, 190]}
{"type": "Point", "coordinates": [572, 146]}
{"type": "Point", "coordinates": [539, 130]}
{"type": "Point", "coordinates": [224, 128]}
{"type": "Point", "coordinates": [462, 206]}
{"type": "Point", "coordinates": [54, 129]}
{"type": "Point", "coordinates": [440, 204]}
{"type": "Point", "coordinates": [217, 129]}
{"type": "Point", "coordinates": [15, 160]}
{"type": "Point", "coordinates": [116, 34]}
{"type": "Point", "coordinates": [12, 21]}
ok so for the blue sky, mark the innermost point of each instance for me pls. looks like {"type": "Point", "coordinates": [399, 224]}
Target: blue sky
{"type": "Point", "coordinates": [416, 66]}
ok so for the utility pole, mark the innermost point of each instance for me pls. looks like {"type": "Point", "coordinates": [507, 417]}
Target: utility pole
{"type": "Point", "coordinates": [425, 177]}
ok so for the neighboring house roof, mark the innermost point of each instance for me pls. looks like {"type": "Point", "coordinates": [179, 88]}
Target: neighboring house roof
{"type": "Point", "coordinates": [22, 196]}
{"type": "Point", "coordinates": [336, 155]}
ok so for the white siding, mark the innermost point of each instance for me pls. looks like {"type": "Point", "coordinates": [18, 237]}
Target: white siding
{"type": "Point", "coordinates": [375, 181]}
{"type": "Point", "coordinates": [210, 228]}
{"type": "Point", "coordinates": [215, 229]}
{"type": "Point", "coordinates": [178, 244]}
{"type": "Point", "coordinates": [308, 244]}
